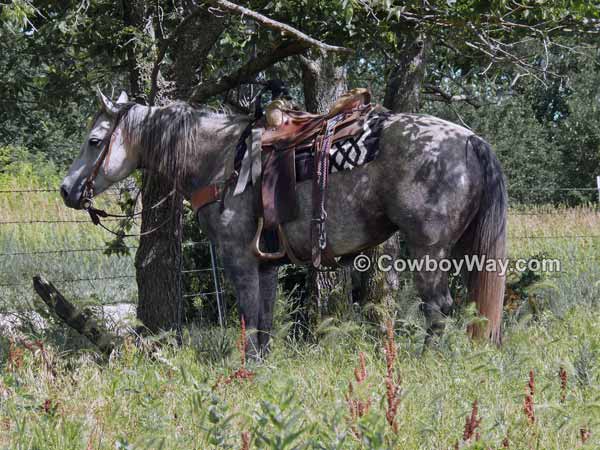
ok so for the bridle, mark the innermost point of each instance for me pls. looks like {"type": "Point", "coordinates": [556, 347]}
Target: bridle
{"type": "Point", "coordinates": [107, 142]}
{"type": "Point", "coordinates": [87, 197]}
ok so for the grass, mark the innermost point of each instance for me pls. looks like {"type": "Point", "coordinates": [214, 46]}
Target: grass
{"type": "Point", "coordinates": [167, 397]}
{"type": "Point", "coordinates": [29, 247]}
{"type": "Point", "coordinates": [38, 234]}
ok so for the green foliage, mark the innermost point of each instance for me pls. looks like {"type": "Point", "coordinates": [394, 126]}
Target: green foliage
{"type": "Point", "coordinates": [15, 15]}
{"type": "Point", "coordinates": [18, 167]}
{"type": "Point", "coordinates": [55, 52]}
{"type": "Point", "coordinates": [545, 136]}
{"type": "Point", "coordinates": [168, 399]}
{"type": "Point", "coordinates": [579, 135]}
{"type": "Point", "coordinates": [51, 56]}
{"type": "Point", "coordinates": [297, 400]}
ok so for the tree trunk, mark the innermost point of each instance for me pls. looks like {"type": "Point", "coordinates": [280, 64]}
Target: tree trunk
{"type": "Point", "coordinates": [324, 80]}
{"type": "Point", "coordinates": [159, 256]}
{"type": "Point", "coordinates": [191, 49]}
{"type": "Point", "coordinates": [403, 89]}
{"type": "Point", "coordinates": [135, 14]}
{"type": "Point", "coordinates": [402, 95]}
{"type": "Point", "coordinates": [158, 259]}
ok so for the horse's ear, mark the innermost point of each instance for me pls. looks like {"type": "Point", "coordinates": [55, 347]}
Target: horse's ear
{"type": "Point", "coordinates": [123, 98]}
{"type": "Point", "coordinates": [106, 104]}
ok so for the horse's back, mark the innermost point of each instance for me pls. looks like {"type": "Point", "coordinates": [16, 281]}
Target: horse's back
{"type": "Point", "coordinates": [414, 134]}
{"type": "Point", "coordinates": [425, 182]}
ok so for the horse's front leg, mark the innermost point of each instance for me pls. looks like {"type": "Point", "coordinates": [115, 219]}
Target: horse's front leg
{"type": "Point", "coordinates": [233, 230]}
{"type": "Point", "coordinates": [242, 269]}
{"type": "Point", "coordinates": [268, 292]}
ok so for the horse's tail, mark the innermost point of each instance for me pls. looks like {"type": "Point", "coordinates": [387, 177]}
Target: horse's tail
{"type": "Point", "coordinates": [487, 238]}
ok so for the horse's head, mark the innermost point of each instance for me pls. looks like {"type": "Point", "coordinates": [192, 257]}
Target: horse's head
{"type": "Point", "coordinates": [104, 158]}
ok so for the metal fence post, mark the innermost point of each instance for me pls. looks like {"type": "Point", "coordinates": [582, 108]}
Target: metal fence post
{"type": "Point", "coordinates": [217, 283]}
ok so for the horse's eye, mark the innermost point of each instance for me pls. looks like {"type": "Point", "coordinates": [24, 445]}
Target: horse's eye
{"type": "Point", "coordinates": [95, 141]}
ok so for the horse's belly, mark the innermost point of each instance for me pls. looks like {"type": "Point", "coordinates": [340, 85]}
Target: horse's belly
{"type": "Point", "coordinates": [356, 216]}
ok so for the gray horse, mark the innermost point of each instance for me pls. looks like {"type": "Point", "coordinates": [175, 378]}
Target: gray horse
{"type": "Point", "coordinates": [435, 182]}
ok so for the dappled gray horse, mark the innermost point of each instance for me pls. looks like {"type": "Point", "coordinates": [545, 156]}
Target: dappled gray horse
{"type": "Point", "coordinates": [435, 182]}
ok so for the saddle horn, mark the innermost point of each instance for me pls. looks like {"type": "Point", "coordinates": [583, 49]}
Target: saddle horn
{"type": "Point", "coordinates": [278, 90]}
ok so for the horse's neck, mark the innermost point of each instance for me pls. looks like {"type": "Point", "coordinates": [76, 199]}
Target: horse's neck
{"type": "Point", "coordinates": [215, 153]}
{"type": "Point", "coordinates": [210, 144]}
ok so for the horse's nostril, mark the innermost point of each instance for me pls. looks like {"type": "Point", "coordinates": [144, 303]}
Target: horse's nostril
{"type": "Point", "coordinates": [63, 192]}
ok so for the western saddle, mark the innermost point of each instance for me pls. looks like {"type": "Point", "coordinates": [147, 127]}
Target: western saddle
{"type": "Point", "coordinates": [273, 141]}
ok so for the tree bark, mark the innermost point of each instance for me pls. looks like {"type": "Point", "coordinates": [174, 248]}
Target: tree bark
{"type": "Point", "coordinates": [159, 256]}
{"type": "Point", "coordinates": [134, 15]}
{"type": "Point", "coordinates": [158, 259]}
{"type": "Point", "coordinates": [403, 89]}
{"type": "Point", "coordinates": [324, 79]}
{"type": "Point", "coordinates": [402, 95]}
{"type": "Point", "coordinates": [191, 48]}
{"type": "Point", "coordinates": [81, 321]}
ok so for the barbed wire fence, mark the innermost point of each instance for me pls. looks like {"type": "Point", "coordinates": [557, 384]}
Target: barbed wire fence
{"type": "Point", "coordinates": [18, 263]}
{"type": "Point", "coordinates": [14, 277]}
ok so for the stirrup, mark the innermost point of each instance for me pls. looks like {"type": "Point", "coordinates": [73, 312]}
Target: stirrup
{"type": "Point", "coordinates": [280, 253]}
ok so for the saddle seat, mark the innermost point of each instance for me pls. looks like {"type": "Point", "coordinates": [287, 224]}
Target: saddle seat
{"type": "Point", "coordinates": [286, 127]}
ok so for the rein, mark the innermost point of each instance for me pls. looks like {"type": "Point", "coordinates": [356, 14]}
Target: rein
{"type": "Point", "coordinates": [96, 214]}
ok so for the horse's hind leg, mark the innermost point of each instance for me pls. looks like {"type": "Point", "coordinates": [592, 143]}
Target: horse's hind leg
{"type": "Point", "coordinates": [432, 286]}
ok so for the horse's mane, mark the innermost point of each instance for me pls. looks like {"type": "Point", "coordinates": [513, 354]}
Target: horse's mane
{"type": "Point", "coordinates": [171, 136]}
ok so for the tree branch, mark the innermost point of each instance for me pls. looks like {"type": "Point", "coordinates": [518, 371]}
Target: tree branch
{"type": "Point", "coordinates": [246, 73]}
{"type": "Point", "coordinates": [74, 317]}
{"type": "Point", "coordinates": [278, 26]}
{"type": "Point", "coordinates": [297, 43]}
{"type": "Point", "coordinates": [437, 94]}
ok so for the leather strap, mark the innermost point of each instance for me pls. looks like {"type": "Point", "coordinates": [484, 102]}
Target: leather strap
{"type": "Point", "coordinates": [205, 196]}
{"type": "Point", "coordinates": [212, 193]}
{"type": "Point", "coordinates": [88, 191]}
{"type": "Point", "coordinates": [104, 156]}
{"type": "Point", "coordinates": [319, 191]}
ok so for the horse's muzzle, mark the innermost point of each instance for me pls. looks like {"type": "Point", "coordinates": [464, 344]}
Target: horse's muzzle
{"type": "Point", "coordinates": [72, 198]}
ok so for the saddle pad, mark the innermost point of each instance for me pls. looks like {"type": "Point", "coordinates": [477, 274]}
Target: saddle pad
{"type": "Point", "coordinates": [346, 154]}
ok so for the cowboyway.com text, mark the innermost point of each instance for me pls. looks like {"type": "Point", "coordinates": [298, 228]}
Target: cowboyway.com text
{"type": "Point", "coordinates": [480, 263]}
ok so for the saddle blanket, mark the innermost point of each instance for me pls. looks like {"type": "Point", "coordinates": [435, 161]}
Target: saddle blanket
{"type": "Point", "coordinates": [346, 154]}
